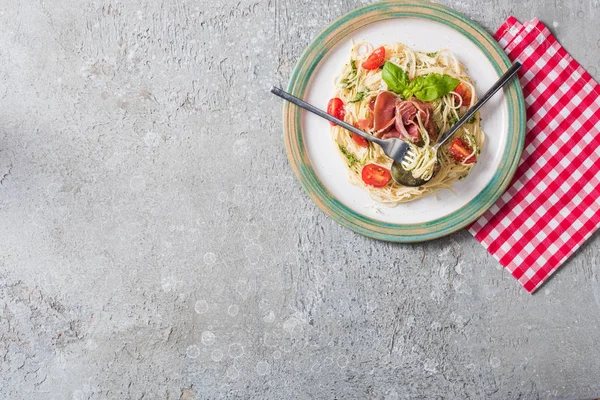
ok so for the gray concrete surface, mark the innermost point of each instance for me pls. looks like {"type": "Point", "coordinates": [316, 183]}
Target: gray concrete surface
{"type": "Point", "coordinates": [137, 262]}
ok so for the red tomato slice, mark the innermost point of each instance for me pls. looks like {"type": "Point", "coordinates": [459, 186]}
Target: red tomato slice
{"type": "Point", "coordinates": [460, 151]}
{"type": "Point", "coordinates": [375, 175]}
{"type": "Point", "coordinates": [375, 60]}
{"type": "Point", "coordinates": [362, 142]}
{"type": "Point", "coordinates": [463, 91]}
{"type": "Point", "coordinates": [335, 107]}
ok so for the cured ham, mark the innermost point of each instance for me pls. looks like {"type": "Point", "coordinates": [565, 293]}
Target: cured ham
{"type": "Point", "coordinates": [366, 123]}
{"type": "Point", "coordinates": [403, 115]}
{"type": "Point", "coordinates": [384, 110]}
{"type": "Point", "coordinates": [393, 133]}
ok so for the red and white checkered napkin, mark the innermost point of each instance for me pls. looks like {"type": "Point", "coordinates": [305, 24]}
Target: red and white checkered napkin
{"type": "Point", "coordinates": [553, 203]}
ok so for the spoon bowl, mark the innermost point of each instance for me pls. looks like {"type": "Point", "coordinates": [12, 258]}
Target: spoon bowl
{"type": "Point", "coordinates": [404, 177]}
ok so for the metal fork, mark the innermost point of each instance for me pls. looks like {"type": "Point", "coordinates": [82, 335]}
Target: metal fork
{"type": "Point", "coordinates": [394, 148]}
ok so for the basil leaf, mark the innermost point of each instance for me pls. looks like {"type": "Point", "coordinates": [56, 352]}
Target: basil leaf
{"type": "Point", "coordinates": [425, 88]}
{"type": "Point", "coordinates": [394, 77]}
{"type": "Point", "coordinates": [432, 86]}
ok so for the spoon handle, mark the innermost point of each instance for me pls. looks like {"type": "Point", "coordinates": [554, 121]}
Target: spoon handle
{"type": "Point", "coordinates": [309, 107]}
{"type": "Point", "coordinates": [504, 79]}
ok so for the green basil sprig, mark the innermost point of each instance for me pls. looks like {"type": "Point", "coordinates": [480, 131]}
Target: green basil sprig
{"type": "Point", "coordinates": [395, 77]}
{"type": "Point", "coordinates": [425, 88]}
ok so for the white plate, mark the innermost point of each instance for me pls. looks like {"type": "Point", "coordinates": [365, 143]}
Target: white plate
{"type": "Point", "coordinates": [419, 35]}
{"type": "Point", "coordinates": [314, 156]}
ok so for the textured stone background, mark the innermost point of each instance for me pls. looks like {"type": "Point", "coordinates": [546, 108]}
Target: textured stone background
{"type": "Point", "coordinates": [136, 261]}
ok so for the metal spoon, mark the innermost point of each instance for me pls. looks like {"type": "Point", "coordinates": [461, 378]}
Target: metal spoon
{"type": "Point", "coordinates": [406, 178]}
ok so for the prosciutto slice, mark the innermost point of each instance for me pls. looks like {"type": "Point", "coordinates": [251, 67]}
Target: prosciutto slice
{"type": "Point", "coordinates": [393, 133]}
{"type": "Point", "coordinates": [402, 114]}
{"type": "Point", "coordinates": [407, 114]}
{"type": "Point", "coordinates": [366, 123]}
{"type": "Point", "coordinates": [384, 110]}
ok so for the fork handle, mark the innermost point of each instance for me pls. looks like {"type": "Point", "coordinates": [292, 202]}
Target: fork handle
{"type": "Point", "coordinates": [309, 107]}
{"type": "Point", "coordinates": [504, 79]}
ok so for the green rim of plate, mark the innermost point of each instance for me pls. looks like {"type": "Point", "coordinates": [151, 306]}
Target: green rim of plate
{"type": "Point", "coordinates": [359, 223]}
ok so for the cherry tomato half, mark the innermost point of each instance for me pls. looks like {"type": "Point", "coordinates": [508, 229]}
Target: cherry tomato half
{"type": "Point", "coordinates": [335, 107]}
{"type": "Point", "coordinates": [465, 93]}
{"type": "Point", "coordinates": [460, 151]}
{"type": "Point", "coordinates": [359, 140]}
{"type": "Point", "coordinates": [375, 175]}
{"type": "Point", "coordinates": [375, 60]}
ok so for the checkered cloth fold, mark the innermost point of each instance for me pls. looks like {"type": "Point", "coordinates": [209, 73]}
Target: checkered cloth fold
{"type": "Point", "coordinates": [552, 205]}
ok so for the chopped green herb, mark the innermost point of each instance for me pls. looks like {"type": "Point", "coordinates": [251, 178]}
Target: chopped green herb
{"type": "Point", "coordinates": [432, 54]}
{"type": "Point", "coordinates": [349, 155]}
{"type": "Point", "coordinates": [472, 119]}
{"type": "Point", "coordinates": [360, 95]}
{"type": "Point", "coordinates": [348, 81]}
{"type": "Point", "coordinates": [453, 119]}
